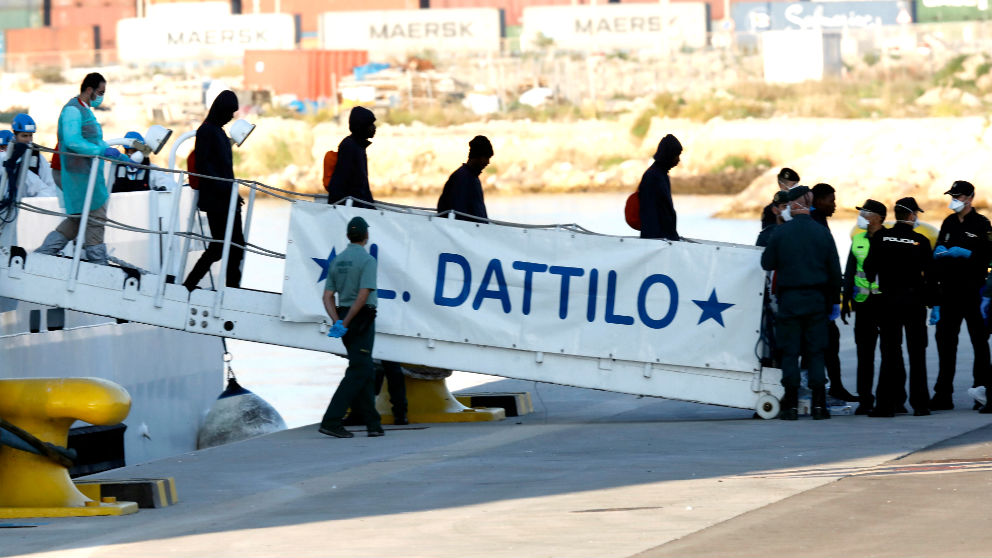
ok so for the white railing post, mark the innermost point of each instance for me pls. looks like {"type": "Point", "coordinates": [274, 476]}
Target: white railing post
{"type": "Point", "coordinates": [184, 255]}
{"type": "Point", "coordinates": [83, 221]}
{"type": "Point", "coordinates": [170, 249]}
{"type": "Point", "coordinates": [232, 206]}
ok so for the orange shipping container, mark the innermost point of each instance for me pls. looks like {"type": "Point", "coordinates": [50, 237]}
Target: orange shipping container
{"type": "Point", "coordinates": [53, 46]}
{"type": "Point", "coordinates": [310, 9]}
{"type": "Point", "coordinates": [102, 13]}
{"type": "Point", "coordinates": [309, 74]}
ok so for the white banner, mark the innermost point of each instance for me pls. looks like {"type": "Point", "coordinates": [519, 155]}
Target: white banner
{"type": "Point", "coordinates": [202, 38]}
{"type": "Point", "coordinates": [649, 301]}
{"type": "Point", "coordinates": [411, 31]}
{"type": "Point", "coordinates": [668, 26]}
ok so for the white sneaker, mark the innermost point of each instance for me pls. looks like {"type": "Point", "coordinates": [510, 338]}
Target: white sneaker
{"type": "Point", "coordinates": [978, 394]}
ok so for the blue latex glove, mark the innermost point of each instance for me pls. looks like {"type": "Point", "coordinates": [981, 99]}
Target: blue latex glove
{"type": "Point", "coordinates": [113, 153]}
{"type": "Point", "coordinates": [934, 315]}
{"type": "Point", "coordinates": [940, 252]}
{"type": "Point", "coordinates": [959, 252]}
{"type": "Point", "coordinates": [985, 306]}
{"type": "Point", "coordinates": [338, 329]}
{"type": "Point", "coordinates": [834, 312]}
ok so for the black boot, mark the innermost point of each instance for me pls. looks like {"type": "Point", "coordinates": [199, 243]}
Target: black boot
{"type": "Point", "coordinates": [819, 409]}
{"type": "Point", "coordinates": [789, 405]}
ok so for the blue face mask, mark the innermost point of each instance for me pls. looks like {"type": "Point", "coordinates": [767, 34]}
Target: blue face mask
{"type": "Point", "coordinates": [96, 101]}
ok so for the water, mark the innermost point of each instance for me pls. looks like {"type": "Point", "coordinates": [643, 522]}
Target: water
{"type": "Point", "coordinates": [299, 383]}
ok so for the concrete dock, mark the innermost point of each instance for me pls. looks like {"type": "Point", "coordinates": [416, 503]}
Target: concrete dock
{"type": "Point", "coordinates": [587, 474]}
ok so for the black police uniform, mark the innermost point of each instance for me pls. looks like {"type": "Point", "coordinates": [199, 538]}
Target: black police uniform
{"type": "Point", "coordinates": [804, 257]}
{"type": "Point", "coordinates": [831, 355]}
{"type": "Point", "coordinates": [902, 260]}
{"type": "Point", "coordinates": [867, 329]}
{"type": "Point", "coordinates": [960, 281]}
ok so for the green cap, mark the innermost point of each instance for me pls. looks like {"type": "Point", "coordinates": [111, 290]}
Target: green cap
{"type": "Point", "coordinates": [358, 225]}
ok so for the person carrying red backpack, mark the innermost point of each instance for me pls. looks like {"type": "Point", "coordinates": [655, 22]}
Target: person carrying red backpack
{"type": "Point", "coordinates": [657, 212]}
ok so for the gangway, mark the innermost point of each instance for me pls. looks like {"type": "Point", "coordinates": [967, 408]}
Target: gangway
{"type": "Point", "coordinates": [556, 304]}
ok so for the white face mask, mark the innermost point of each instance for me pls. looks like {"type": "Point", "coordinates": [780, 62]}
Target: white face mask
{"type": "Point", "coordinates": [862, 222]}
{"type": "Point", "coordinates": [787, 213]}
{"type": "Point", "coordinates": [956, 205]}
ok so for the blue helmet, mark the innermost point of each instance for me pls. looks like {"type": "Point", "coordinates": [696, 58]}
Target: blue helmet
{"type": "Point", "coordinates": [23, 123]}
{"type": "Point", "coordinates": [135, 136]}
{"type": "Point", "coordinates": [6, 136]}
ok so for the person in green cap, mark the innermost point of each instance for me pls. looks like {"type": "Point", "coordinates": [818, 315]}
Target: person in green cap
{"type": "Point", "coordinates": [351, 276]}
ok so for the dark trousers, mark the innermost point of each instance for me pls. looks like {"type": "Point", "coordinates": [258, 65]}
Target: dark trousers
{"type": "Point", "coordinates": [899, 315]}
{"type": "Point", "coordinates": [214, 252]}
{"type": "Point", "coordinates": [952, 312]}
{"type": "Point", "coordinates": [867, 327]}
{"type": "Point", "coordinates": [395, 383]}
{"type": "Point", "coordinates": [831, 355]}
{"type": "Point", "coordinates": [357, 389]}
{"type": "Point", "coordinates": [804, 334]}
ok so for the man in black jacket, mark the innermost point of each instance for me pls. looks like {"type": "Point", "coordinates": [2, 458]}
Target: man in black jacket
{"type": "Point", "coordinates": [212, 154]}
{"type": "Point", "coordinates": [351, 172]}
{"type": "Point", "coordinates": [463, 190]}
{"type": "Point", "coordinates": [901, 259]}
{"type": "Point", "coordinates": [655, 192]}
{"type": "Point", "coordinates": [804, 257]}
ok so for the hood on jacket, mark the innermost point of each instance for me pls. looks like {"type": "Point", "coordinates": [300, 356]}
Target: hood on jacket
{"type": "Point", "coordinates": [359, 121]}
{"type": "Point", "coordinates": [668, 149]}
{"type": "Point", "coordinates": [223, 108]}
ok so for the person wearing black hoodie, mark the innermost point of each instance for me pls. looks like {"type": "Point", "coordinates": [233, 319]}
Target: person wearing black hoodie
{"type": "Point", "coordinates": [213, 158]}
{"type": "Point", "coordinates": [351, 172]}
{"type": "Point", "coordinates": [655, 192]}
{"type": "Point", "coordinates": [463, 190]}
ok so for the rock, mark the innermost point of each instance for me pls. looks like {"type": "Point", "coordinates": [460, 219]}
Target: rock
{"type": "Point", "coordinates": [969, 100]}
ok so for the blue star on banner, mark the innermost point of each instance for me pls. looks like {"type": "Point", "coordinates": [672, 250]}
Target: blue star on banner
{"type": "Point", "coordinates": [325, 264]}
{"type": "Point", "coordinates": [712, 309]}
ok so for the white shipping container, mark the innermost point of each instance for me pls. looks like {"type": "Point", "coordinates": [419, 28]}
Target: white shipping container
{"type": "Point", "coordinates": [795, 56]}
{"type": "Point", "coordinates": [215, 38]}
{"type": "Point", "coordinates": [607, 27]}
{"type": "Point", "coordinates": [411, 31]}
{"type": "Point", "coordinates": [187, 11]}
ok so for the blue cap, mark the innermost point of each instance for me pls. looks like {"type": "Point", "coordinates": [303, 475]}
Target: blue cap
{"type": "Point", "coordinates": [134, 135]}
{"type": "Point", "coordinates": [6, 136]}
{"type": "Point", "coordinates": [23, 123]}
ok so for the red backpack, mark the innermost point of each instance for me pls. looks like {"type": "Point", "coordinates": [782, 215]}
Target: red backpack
{"type": "Point", "coordinates": [330, 161]}
{"type": "Point", "coordinates": [632, 211]}
{"type": "Point", "coordinates": [194, 181]}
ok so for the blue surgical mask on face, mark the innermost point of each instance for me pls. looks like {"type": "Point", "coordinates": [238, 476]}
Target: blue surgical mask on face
{"type": "Point", "coordinates": [96, 101]}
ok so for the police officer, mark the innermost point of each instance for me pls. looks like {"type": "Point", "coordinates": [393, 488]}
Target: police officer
{"type": "Point", "coordinates": [352, 277]}
{"type": "Point", "coordinates": [787, 178]}
{"type": "Point", "coordinates": [804, 257]}
{"type": "Point", "coordinates": [961, 259]}
{"type": "Point", "coordinates": [779, 202]}
{"type": "Point", "coordinates": [861, 297]}
{"type": "Point", "coordinates": [902, 260]}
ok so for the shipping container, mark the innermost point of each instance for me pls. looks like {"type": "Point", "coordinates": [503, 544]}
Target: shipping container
{"type": "Point", "coordinates": [21, 15]}
{"type": "Point", "coordinates": [103, 13]}
{"type": "Point", "coordinates": [216, 38]}
{"type": "Point", "coordinates": [187, 10]}
{"type": "Point", "coordinates": [513, 10]}
{"type": "Point", "coordinates": [717, 7]}
{"type": "Point", "coordinates": [309, 10]}
{"type": "Point", "coordinates": [402, 32]}
{"type": "Point", "coordinates": [50, 46]}
{"type": "Point", "coordinates": [310, 75]}
{"type": "Point", "coordinates": [930, 11]}
{"type": "Point", "coordinates": [754, 17]}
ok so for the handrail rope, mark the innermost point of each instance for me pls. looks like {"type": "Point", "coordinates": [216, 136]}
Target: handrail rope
{"type": "Point", "coordinates": [254, 248]}
{"type": "Point", "coordinates": [255, 185]}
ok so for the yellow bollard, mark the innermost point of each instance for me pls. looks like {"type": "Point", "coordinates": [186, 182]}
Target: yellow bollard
{"type": "Point", "coordinates": [430, 401]}
{"type": "Point", "coordinates": [32, 485]}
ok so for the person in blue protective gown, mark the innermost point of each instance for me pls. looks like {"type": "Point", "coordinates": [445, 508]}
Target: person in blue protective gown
{"type": "Point", "coordinates": [79, 132]}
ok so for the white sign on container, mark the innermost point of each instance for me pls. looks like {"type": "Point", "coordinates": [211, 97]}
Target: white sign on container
{"type": "Point", "coordinates": [616, 26]}
{"type": "Point", "coordinates": [681, 303]}
{"type": "Point", "coordinates": [213, 38]}
{"type": "Point", "coordinates": [405, 31]}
